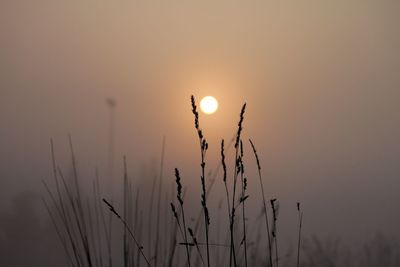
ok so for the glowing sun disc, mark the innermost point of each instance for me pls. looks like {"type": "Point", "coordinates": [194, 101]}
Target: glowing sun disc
{"type": "Point", "coordinates": [209, 104]}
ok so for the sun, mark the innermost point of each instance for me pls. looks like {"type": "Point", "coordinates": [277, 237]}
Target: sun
{"type": "Point", "coordinates": [209, 104]}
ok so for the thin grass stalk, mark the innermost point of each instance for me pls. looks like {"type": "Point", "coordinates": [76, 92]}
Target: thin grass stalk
{"type": "Point", "coordinates": [226, 252]}
{"type": "Point", "coordinates": [218, 230]}
{"type": "Point", "coordinates": [159, 202]}
{"type": "Point", "coordinates": [110, 235]}
{"type": "Point", "coordinates": [264, 202]}
{"type": "Point", "coordinates": [232, 222]}
{"type": "Point", "coordinates": [204, 203]}
{"type": "Point", "coordinates": [243, 199]}
{"type": "Point", "coordinates": [173, 234]}
{"type": "Point", "coordinates": [100, 221]}
{"type": "Point", "coordinates": [131, 254]}
{"type": "Point", "coordinates": [258, 239]}
{"type": "Point", "coordinates": [112, 209]}
{"type": "Point", "coordinates": [300, 217]}
{"type": "Point", "coordinates": [274, 230]}
{"type": "Point", "coordinates": [227, 200]}
{"type": "Point", "coordinates": [176, 214]}
{"type": "Point", "coordinates": [224, 178]}
{"type": "Point", "coordinates": [174, 211]}
{"type": "Point", "coordinates": [61, 202]}
{"type": "Point", "coordinates": [208, 191]}
{"type": "Point", "coordinates": [75, 218]}
{"type": "Point", "coordinates": [139, 250]}
{"type": "Point", "coordinates": [91, 236]}
{"type": "Point", "coordinates": [60, 236]}
{"type": "Point", "coordinates": [132, 226]}
{"type": "Point", "coordinates": [97, 221]}
{"type": "Point", "coordinates": [68, 220]}
{"type": "Point", "coordinates": [136, 224]}
{"type": "Point", "coordinates": [61, 209]}
{"type": "Point", "coordinates": [125, 193]}
{"type": "Point", "coordinates": [80, 217]}
{"type": "Point", "coordinates": [150, 215]}
{"type": "Point", "coordinates": [210, 186]}
{"type": "Point", "coordinates": [166, 231]}
{"type": "Point", "coordinates": [106, 227]}
{"type": "Point", "coordinates": [180, 200]}
{"type": "Point", "coordinates": [203, 149]}
{"type": "Point", "coordinates": [196, 244]}
{"type": "Point", "coordinates": [173, 245]}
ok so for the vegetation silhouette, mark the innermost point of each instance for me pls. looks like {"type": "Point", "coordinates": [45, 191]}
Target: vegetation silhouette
{"type": "Point", "coordinates": [83, 221]}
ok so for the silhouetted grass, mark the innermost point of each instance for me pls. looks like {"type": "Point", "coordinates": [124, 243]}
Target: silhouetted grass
{"type": "Point", "coordinates": [264, 202]}
{"type": "Point", "coordinates": [89, 237]}
{"type": "Point", "coordinates": [300, 216]}
{"type": "Point", "coordinates": [203, 150]}
{"type": "Point", "coordinates": [140, 247]}
{"type": "Point", "coordinates": [180, 200]}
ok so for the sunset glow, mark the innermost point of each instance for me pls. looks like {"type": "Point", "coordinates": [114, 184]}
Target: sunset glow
{"type": "Point", "coordinates": [209, 104]}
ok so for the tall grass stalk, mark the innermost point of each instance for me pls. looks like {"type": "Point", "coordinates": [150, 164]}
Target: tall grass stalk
{"type": "Point", "coordinates": [196, 244]}
{"type": "Point", "coordinates": [232, 217]}
{"type": "Point", "coordinates": [167, 230]}
{"type": "Point", "coordinates": [106, 226]}
{"type": "Point", "coordinates": [78, 208]}
{"type": "Point", "coordinates": [77, 223]}
{"type": "Point", "coordinates": [224, 177]}
{"type": "Point", "coordinates": [131, 258]}
{"type": "Point", "coordinates": [112, 209]}
{"type": "Point", "coordinates": [203, 150]}
{"type": "Point", "coordinates": [111, 103]}
{"type": "Point", "coordinates": [218, 229]}
{"type": "Point", "coordinates": [60, 207]}
{"type": "Point", "coordinates": [180, 200]}
{"type": "Point", "coordinates": [58, 231]}
{"type": "Point", "coordinates": [212, 178]}
{"type": "Point", "coordinates": [140, 233]}
{"type": "Point", "coordinates": [125, 214]}
{"type": "Point", "coordinates": [300, 218]}
{"type": "Point", "coordinates": [243, 198]}
{"type": "Point", "coordinates": [274, 228]}
{"type": "Point", "coordinates": [150, 214]}
{"type": "Point", "coordinates": [96, 203]}
{"type": "Point", "coordinates": [157, 243]}
{"type": "Point", "coordinates": [264, 202]}
{"type": "Point", "coordinates": [173, 241]}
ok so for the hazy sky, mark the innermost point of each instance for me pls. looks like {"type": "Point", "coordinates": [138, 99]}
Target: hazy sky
{"type": "Point", "coordinates": [321, 80]}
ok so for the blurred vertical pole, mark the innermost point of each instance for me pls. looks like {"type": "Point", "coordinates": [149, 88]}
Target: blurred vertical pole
{"type": "Point", "coordinates": [111, 103]}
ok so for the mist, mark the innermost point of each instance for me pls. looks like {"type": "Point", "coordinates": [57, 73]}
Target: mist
{"type": "Point", "coordinates": [320, 81]}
